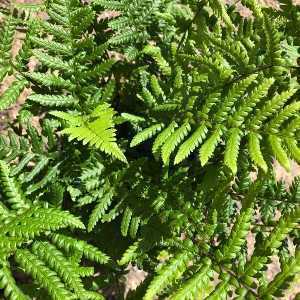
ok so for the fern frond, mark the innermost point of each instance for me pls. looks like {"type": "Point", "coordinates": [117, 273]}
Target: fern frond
{"type": "Point", "coordinates": [221, 290]}
{"type": "Point", "coordinates": [42, 274]}
{"type": "Point", "coordinates": [238, 236]}
{"type": "Point", "coordinates": [251, 101]}
{"type": "Point", "coordinates": [89, 251]}
{"type": "Point", "coordinates": [146, 134]}
{"type": "Point", "coordinates": [54, 100]}
{"type": "Point", "coordinates": [219, 9]}
{"type": "Point", "coordinates": [8, 284]}
{"type": "Point", "coordinates": [191, 143]}
{"type": "Point", "coordinates": [100, 209]}
{"type": "Point", "coordinates": [12, 93]}
{"type": "Point", "coordinates": [14, 195]}
{"type": "Point", "coordinates": [283, 279]}
{"type": "Point", "coordinates": [208, 148]}
{"type": "Point", "coordinates": [270, 108]}
{"type": "Point", "coordinates": [50, 80]}
{"type": "Point", "coordinates": [130, 254]}
{"type": "Point", "coordinates": [255, 151]}
{"type": "Point", "coordinates": [58, 262]}
{"type": "Point", "coordinates": [53, 62]}
{"type": "Point", "coordinates": [232, 149]}
{"type": "Point", "coordinates": [288, 112]}
{"type": "Point", "coordinates": [174, 140]}
{"type": "Point", "coordinates": [155, 53]}
{"type": "Point", "coordinates": [197, 286]}
{"type": "Point", "coordinates": [279, 152]}
{"type": "Point", "coordinates": [234, 94]}
{"type": "Point", "coordinates": [168, 274]}
{"type": "Point", "coordinates": [99, 133]}
{"type": "Point", "coordinates": [163, 136]}
{"type": "Point", "coordinates": [126, 221]}
{"type": "Point", "coordinates": [52, 46]}
{"type": "Point", "coordinates": [285, 225]}
{"type": "Point", "coordinates": [7, 37]}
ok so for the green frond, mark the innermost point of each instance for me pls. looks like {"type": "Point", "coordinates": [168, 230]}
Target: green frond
{"type": "Point", "coordinates": [163, 136]}
{"type": "Point", "coordinates": [90, 252]}
{"type": "Point", "coordinates": [36, 220]}
{"type": "Point", "coordinates": [273, 47]}
{"type": "Point", "coordinates": [51, 175]}
{"type": "Point", "coordinates": [292, 127]}
{"type": "Point", "coordinates": [8, 284]}
{"type": "Point", "coordinates": [237, 90]}
{"type": "Point", "coordinates": [130, 254]}
{"type": "Point", "coordinates": [54, 100]}
{"type": "Point", "coordinates": [100, 209]}
{"type": "Point", "coordinates": [211, 100]}
{"type": "Point", "coordinates": [38, 168]}
{"type": "Point", "coordinates": [208, 148]}
{"type": "Point", "coordinates": [22, 164]}
{"type": "Point", "coordinates": [146, 134]}
{"type": "Point", "coordinates": [238, 236]}
{"type": "Point", "coordinates": [56, 30]}
{"type": "Point", "coordinates": [233, 51]}
{"type": "Point", "coordinates": [7, 37]}
{"type": "Point", "coordinates": [99, 133]}
{"type": "Point", "coordinates": [197, 286]}
{"type": "Point", "coordinates": [172, 271]}
{"type": "Point", "coordinates": [127, 216]}
{"type": "Point", "coordinates": [12, 93]}
{"type": "Point", "coordinates": [270, 108]}
{"type": "Point", "coordinates": [232, 149]}
{"type": "Point", "coordinates": [279, 152]}
{"type": "Point", "coordinates": [219, 9]}
{"type": "Point", "coordinates": [156, 88]}
{"type": "Point", "coordinates": [251, 101]}
{"type": "Point", "coordinates": [50, 80]}
{"type": "Point", "coordinates": [174, 140]}
{"type": "Point", "coordinates": [289, 111]}
{"type": "Point", "coordinates": [47, 278]}
{"type": "Point", "coordinates": [56, 260]}
{"type": "Point", "coordinates": [155, 53]}
{"type": "Point", "coordinates": [221, 290]}
{"type": "Point", "coordinates": [134, 226]}
{"type": "Point", "coordinates": [99, 70]}
{"type": "Point", "coordinates": [293, 148]}
{"type": "Point", "coordinates": [191, 143]}
{"type": "Point", "coordinates": [285, 225]}
{"type": "Point", "coordinates": [283, 279]}
{"type": "Point", "coordinates": [13, 193]}
{"type": "Point", "coordinates": [147, 97]}
{"type": "Point", "coordinates": [52, 46]}
{"type": "Point", "coordinates": [53, 62]}
{"type": "Point", "coordinates": [255, 151]}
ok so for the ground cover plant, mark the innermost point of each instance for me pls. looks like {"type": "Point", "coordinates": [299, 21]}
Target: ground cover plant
{"type": "Point", "coordinates": [147, 138]}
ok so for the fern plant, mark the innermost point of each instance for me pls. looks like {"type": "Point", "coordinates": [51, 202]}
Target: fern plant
{"type": "Point", "coordinates": [198, 118]}
{"type": "Point", "coordinates": [143, 126]}
{"type": "Point", "coordinates": [30, 235]}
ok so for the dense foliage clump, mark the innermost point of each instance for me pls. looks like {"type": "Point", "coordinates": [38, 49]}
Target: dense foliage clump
{"type": "Point", "coordinates": [143, 125]}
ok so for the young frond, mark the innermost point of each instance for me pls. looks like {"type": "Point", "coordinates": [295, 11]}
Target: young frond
{"type": "Point", "coordinates": [99, 133]}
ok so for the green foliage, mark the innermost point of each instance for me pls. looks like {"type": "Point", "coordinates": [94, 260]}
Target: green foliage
{"type": "Point", "coordinates": [141, 127]}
